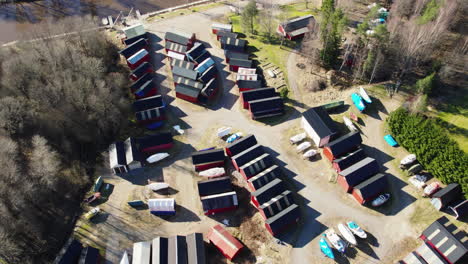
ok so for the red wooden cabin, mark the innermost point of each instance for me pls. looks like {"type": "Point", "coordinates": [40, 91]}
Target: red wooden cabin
{"type": "Point", "coordinates": [370, 188]}
{"type": "Point", "coordinates": [225, 242]}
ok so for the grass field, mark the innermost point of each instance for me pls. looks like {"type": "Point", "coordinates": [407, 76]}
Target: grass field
{"type": "Point", "coordinates": [458, 117]}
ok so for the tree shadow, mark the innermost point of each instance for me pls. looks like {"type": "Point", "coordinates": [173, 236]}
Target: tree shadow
{"type": "Point", "coordinates": [309, 227]}
{"type": "Point", "coordinates": [373, 110]}
{"type": "Point", "coordinates": [380, 156]}
{"type": "Point", "coordinates": [101, 217]}
{"type": "Point", "coordinates": [214, 256]}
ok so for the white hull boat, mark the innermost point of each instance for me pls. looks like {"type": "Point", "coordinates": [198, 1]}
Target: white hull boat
{"type": "Point", "coordinates": [349, 124]}
{"type": "Point", "coordinates": [419, 181]}
{"type": "Point", "coordinates": [213, 172]}
{"type": "Point", "coordinates": [303, 146]}
{"type": "Point", "coordinates": [364, 95]}
{"type": "Point", "coordinates": [347, 234]}
{"type": "Point", "coordinates": [157, 157]}
{"type": "Point", "coordinates": [310, 153]}
{"type": "Point", "coordinates": [357, 230]}
{"type": "Point", "coordinates": [408, 160]}
{"type": "Point", "coordinates": [223, 131]}
{"type": "Point", "coordinates": [297, 138]}
{"type": "Point", "coordinates": [156, 186]}
{"type": "Point", "coordinates": [335, 240]}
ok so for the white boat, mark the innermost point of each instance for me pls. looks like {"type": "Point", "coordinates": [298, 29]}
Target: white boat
{"type": "Point", "coordinates": [224, 131]}
{"type": "Point", "coordinates": [297, 138]}
{"type": "Point", "coordinates": [335, 240]}
{"type": "Point", "coordinates": [156, 186]}
{"type": "Point", "coordinates": [349, 123]}
{"type": "Point", "coordinates": [310, 153]}
{"type": "Point", "coordinates": [157, 157]}
{"type": "Point", "coordinates": [179, 130]}
{"type": "Point", "coordinates": [347, 234]}
{"type": "Point", "coordinates": [356, 229]}
{"type": "Point", "coordinates": [408, 160]}
{"type": "Point", "coordinates": [213, 172]}
{"type": "Point", "coordinates": [124, 259]}
{"type": "Point", "coordinates": [419, 181]}
{"type": "Point", "coordinates": [383, 198]}
{"type": "Point", "coordinates": [303, 146]}
{"type": "Point", "coordinates": [364, 95]}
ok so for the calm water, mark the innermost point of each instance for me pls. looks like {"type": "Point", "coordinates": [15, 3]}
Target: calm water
{"type": "Point", "coordinates": [16, 20]}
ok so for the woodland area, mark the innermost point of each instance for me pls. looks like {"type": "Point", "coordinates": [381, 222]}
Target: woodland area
{"type": "Point", "coordinates": [63, 100]}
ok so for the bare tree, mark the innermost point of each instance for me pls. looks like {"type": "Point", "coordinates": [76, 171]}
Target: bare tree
{"type": "Point", "coordinates": [45, 162]}
{"type": "Point", "coordinates": [267, 21]}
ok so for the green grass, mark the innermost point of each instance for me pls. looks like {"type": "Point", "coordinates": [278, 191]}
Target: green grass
{"type": "Point", "coordinates": [455, 112]}
{"type": "Point", "coordinates": [298, 9]}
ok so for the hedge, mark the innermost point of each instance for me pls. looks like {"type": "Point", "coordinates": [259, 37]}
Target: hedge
{"type": "Point", "coordinates": [439, 155]}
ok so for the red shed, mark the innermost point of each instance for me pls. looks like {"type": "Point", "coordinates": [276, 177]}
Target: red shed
{"type": "Point", "coordinates": [348, 160]}
{"type": "Point", "coordinates": [370, 188]}
{"type": "Point", "coordinates": [247, 155]}
{"type": "Point", "coordinates": [235, 55]}
{"type": "Point", "coordinates": [235, 64]}
{"type": "Point", "coordinates": [218, 203]}
{"type": "Point", "coordinates": [225, 242]}
{"type": "Point", "coordinates": [295, 28]}
{"type": "Point", "coordinates": [138, 58]}
{"type": "Point", "coordinates": [155, 143]}
{"type": "Point", "coordinates": [267, 192]}
{"type": "Point", "coordinates": [208, 159]}
{"type": "Point", "coordinates": [141, 70]}
{"type": "Point", "coordinates": [221, 27]}
{"type": "Point", "coordinates": [187, 93]}
{"type": "Point", "coordinates": [342, 145]}
{"type": "Point", "coordinates": [263, 178]}
{"type": "Point", "coordinates": [357, 173]}
{"type": "Point", "coordinates": [276, 204]}
{"type": "Point", "coordinates": [150, 115]}
{"type": "Point", "coordinates": [256, 166]}
{"type": "Point", "coordinates": [182, 38]}
{"type": "Point", "coordinates": [282, 220]}
{"type": "Point", "coordinates": [245, 85]}
{"type": "Point", "coordinates": [240, 145]}
{"type": "Point", "coordinates": [256, 94]}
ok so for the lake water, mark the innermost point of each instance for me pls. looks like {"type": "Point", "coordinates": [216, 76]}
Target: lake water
{"type": "Point", "coordinates": [16, 20]}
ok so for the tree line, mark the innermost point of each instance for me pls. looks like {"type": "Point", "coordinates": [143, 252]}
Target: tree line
{"type": "Point", "coordinates": [63, 101]}
{"type": "Point", "coordinates": [439, 154]}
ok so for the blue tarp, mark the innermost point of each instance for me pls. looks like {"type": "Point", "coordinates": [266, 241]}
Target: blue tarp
{"type": "Point", "coordinates": [390, 140]}
{"type": "Point", "coordinates": [357, 100]}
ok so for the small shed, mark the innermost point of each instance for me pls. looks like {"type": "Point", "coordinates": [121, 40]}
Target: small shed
{"type": "Point", "coordinates": [133, 156]}
{"type": "Point", "coordinates": [247, 155]}
{"type": "Point", "coordinates": [209, 74]}
{"type": "Point", "coordinates": [187, 93]}
{"type": "Point", "coordinates": [183, 64]}
{"type": "Point", "coordinates": [117, 161]}
{"type": "Point", "coordinates": [147, 89]}
{"type": "Point", "coordinates": [266, 107]}
{"type": "Point", "coordinates": [214, 186]}
{"type": "Point", "coordinates": [225, 34]}
{"type": "Point", "coordinates": [151, 115]}
{"type": "Point", "coordinates": [233, 44]}
{"type": "Point", "coordinates": [248, 85]}
{"type": "Point", "coordinates": [208, 159]}
{"type": "Point", "coordinates": [141, 252]}
{"type": "Point", "coordinates": [345, 144]}
{"type": "Point", "coordinates": [264, 177]}
{"type": "Point", "coordinates": [130, 50]}
{"type": "Point", "coordinates": [282, 220]}
{"type": "Point", "coordinates": [370, 188]}
{"type": "Point", "coordinates": [89, 255]}
{"type": "Point", "coordinates": [148, 103]}
{"type": "Point", "coordinates": [216, 27]}
{"type": "Point", "coordinates": [235, 64]}
{"type": "Point", "coordinates": [195, 248]}
{"type": "Point", "coordinates": [177, 250]}
{"type": "Point", "coordinates": [235, 55]}
{"type": "Point", "coordinates": [256, 94]}
{"type": "Point", "coordinates": [141, 70]}
{"type": "Point", "coordinates": [186, 73]}
{"type": "Point", "coordinates": [161, 206]}
{"type": "Point", "coordinates": [171, 55]}
{"type": "Point", "coordinates": [224, 241]}
{"type": "Point", "coordinates": [448, 240]}
{"type": "Point", "coordinates": [183, 38]}
{"type": "Point", "coordinates": [204, 65]}
{"type": "Point", "coordinates": [441, 199]}
{"type": "Point", "coordinates": [174, 47]}
{"type": "Point", "coordinates": [318, 125]}
{"type": "Point", "coordinates": [218, 203]}
{"type": "Point", "coordinates": [155, 143]}
{"type": "Point", "coordinates": [276, 204]}
{"type": "Point", "coordinates": [255, 166]}
{"type": "Point", "coordinates": [357, 173]}
{"type": "Point", "coordinates": [195, 52]}
{"type": "Point", "coordinates": [141, 81]}
{"type": "Point", "coordinates": [267, 192]}
{"type": "Point", "coordinates": [295, 28]}
{"type": "Point", "coordinates": [134, 31]}
{"type": "Point", "coordinates": [186, 81]}
{"type": "Point", "coordinates": [160, 250]}
{"type": "Point", "coordinates": [345, 161]}
{"type": "Point", "coordinates": [240, 145]}
{"type": "Point", "coordinates": [247, 71]}
{"type": "Point", "coordinates": [246, 77]}
{"type": "Point", "coordinates": [138, 58]}
{"type": "Point", "coordinates": [130, 41]}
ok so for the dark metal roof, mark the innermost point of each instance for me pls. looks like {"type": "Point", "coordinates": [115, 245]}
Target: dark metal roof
{"type": "Point", "coordinates": [277, 203]}
{"type": "Point", "coordinates": [240, 63]}
{"type": "Point", "coordinates": [118, 154]}
{"type": "Point", "coordinates": [348, 160]}
{"type": "Point", "coordinates": [177, 250]}
{"type": "Point", "coordinates": [186, 81]}
{"type": "Point", "coordinates": [208, 74]}
{"type": "Point", "coordinates": [132, 152]}
{"type": "Point", "coordinates": [179, 37]}
{"type": "Point", "coordinates": [451, 193]}
{"type": "Point", "coordinates": [214, 186]}
{"type": "Point", "coordinates": [142, 69]}
{"type": "Point", "coordinates": [90, 255]}
{"type": "Point", "coordinates": [297, 23]}
{"type": "Point", "coordinates": [372, 186]}
{"type": "Point", "coordinates": [130, 50]}
{"type": "Point", "coordinates": [155, 140]}
{"type": "Point", "coordinates": [344, 144]}
{"type": "Point", "coordinates": [360, 171]}
{"type": "Point", "coordinates": [183, 64]}
{"type": "Point", "coordinates": [160, 251]}
{"type": "Point", "coordinates": [413, 258]}
{"type": "Point", "coordinates": [222, 33]}
{"type": "Point", "coordinates": [241, 144]}
{"type": "Point", "coordinates": [320, 121]}
{"type": "Point", "coordinates": [269, 191]}
{"type": "Point", "coordinates": [257, 165]}
{"type": "Point", "coordinates": [267, 113]}
{"type": "Point", "coordinates": [207, 156]}
{"type": "Point", "coordinates": [175, 47]}
{"type": "Point", "coordinates": [205, 55]}
{"type": "Point", "coordinates": [210, 87]}
{"type": "Point", "coordinates": [148, 103]}
{"type": "Point", "coordinates": [195, 248]}
{"type": "Point", "coordinates": [236, 55]}
{"type": "Point", "coordinates": [233, 44]}
{"type": "Point", "coordinates": [249, 84]}
{"type": "Point", "coordinates": [218, 201]}
{"type": "Point", "coordinates": [187, 90]}
{"type": "Point", "coordinates": [258, 94]}
{"type": "Point", "coordinates": [197, 50]}
{"type": "Point", "coordinates": [448, 240]}
{"type": "Point", "coordinates": [285, 217]}
{"type": "Point", "coordinates": [266, 105]}
{"type": "Point", "coordinates": [265, 176]}
{"type": "Point", "coordinates": [129, 41]}
{"type": "Point", "coordinates": [144, 79]}
{"type": "Point", "coordinates": [150, 113]}
{"type": "Point", "coordinates": [72, 253]}
{"type": "Point", "coordinates": [190, 74]}
{"type": "Point", "coordinates": [248, 155]}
